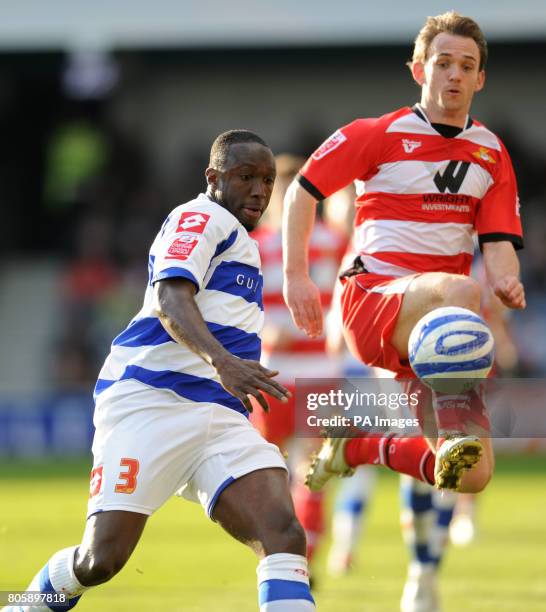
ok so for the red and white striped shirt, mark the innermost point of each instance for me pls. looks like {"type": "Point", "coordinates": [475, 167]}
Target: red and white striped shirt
{"type": "Point", "coordinates": [421, 196]}
{"type": "Point", "coordinates": [297, 355]}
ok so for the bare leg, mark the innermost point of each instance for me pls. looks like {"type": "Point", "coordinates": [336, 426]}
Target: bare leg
{"type": "Point", "coordinates": [257, 510]}
{"type": "Point", "coordinates": [108, 542]}
{"type": "Point", "coordinates": [426, 293]}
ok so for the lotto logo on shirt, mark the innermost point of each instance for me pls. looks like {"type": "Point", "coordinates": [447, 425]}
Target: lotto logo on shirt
{"type": "Point", "coordinates": [182, 247]}
{"type": "Point", "coordinates": [192, 222]}
{"type": "Point", "coordinates": [336, 139]}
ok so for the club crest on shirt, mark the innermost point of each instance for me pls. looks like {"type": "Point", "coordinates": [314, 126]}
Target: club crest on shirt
{"type": "Point", "coordinates": [483, 153]}
{"type": "Point", "coordinates": [192, 222]}
{"type": "Point", "coordinates": [182, 247]}
{"type": "Point", "coordinates": [336, 139]}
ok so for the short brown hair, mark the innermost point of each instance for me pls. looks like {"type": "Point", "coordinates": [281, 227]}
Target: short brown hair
{"type": "Point", "coordinates": [451, 23]}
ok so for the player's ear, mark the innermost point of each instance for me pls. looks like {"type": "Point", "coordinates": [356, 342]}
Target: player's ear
{"type": "Point", "coordinates": [211, 175]}
{"type": "Point", "coordinates": [418, 72]}
{"type": "Point", "coordinates": [481, 80]}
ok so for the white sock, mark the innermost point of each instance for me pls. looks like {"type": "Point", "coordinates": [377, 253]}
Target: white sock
{"type": "Point", "coordinates": [350, 508]}
{"type": "Point", "coordinates": [417, 519]}
{"type": "Point", "coordinates": [57, 576]}
{"type": "Point", "coordinates": [283, 584]}
{"type": "Point", "coordinates": [444, 504]}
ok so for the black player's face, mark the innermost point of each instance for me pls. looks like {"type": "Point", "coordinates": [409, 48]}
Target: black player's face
{"type": "Point", "coordinates": [245, 185]}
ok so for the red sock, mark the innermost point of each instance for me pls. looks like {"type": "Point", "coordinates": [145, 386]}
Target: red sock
{"type": "Point", "coordinates": [410, 456]}
{"type": "Point", "coordinates": [309, 508]}
{"type": "Point", "coordinates": [456, 412]}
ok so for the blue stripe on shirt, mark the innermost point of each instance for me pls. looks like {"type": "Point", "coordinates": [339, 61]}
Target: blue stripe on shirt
{"type": "Point", "coordinates": [225, 244]}
{"type": "Point", "coordinates": [175, 272]}
{"type": "Point", "coordinates": [149, 331]}
{"type": "Point", "coordinates": [194, 388]}
{"type": "Point", "coordinates": [236, 341]}
{"type": "Point", "coordinates": [238, 279]}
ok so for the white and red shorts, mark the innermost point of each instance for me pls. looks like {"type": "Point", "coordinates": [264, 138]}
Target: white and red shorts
{"type": "Point", "coordinates": [151, 445]}
{"type": "Point", "coordinates": [370, 306]}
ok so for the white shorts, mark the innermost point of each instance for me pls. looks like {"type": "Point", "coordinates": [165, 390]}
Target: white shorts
{"type": "Point", "coordinates": [150, 445]}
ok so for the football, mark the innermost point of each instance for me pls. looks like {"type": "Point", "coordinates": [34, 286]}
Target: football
{"type": "Point", "coordinates": [451, 349]}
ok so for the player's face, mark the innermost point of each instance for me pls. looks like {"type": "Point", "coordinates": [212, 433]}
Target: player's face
{"type": "Point", "coordinates": [449, 78]}
{"type": "Point", "coordinates": [245, 185]}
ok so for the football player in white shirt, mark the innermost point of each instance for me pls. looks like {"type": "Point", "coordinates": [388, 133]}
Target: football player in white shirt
{"type": "Point", "coordinates": [172, 398]}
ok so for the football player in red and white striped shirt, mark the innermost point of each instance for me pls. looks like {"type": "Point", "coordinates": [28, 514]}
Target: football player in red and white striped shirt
{"type": "Point", "coordinates": [428, 179]}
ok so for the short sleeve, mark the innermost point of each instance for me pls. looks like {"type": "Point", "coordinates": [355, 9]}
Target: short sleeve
{"type": "Point", "coordinates": [189, 240]}
{"type": "Point", "coordinates": [348, 154]}
{"type": "Point", "coordinates": [498, 216]}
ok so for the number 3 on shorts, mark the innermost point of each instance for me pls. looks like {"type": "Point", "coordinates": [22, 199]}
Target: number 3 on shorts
{"type": "Point", "coordinates": [129, 476]}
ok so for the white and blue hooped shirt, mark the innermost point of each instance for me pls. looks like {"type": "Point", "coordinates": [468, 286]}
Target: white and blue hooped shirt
{"type": "Point", "coordinates": [205, 243]}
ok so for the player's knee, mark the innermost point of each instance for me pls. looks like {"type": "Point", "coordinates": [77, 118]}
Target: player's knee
{"type": "Point", "coordinates": [461, 291]}
{"type": "Point", "coordinates": [97, 567]}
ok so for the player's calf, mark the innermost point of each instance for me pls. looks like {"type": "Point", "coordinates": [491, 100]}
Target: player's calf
{"type": "Point", "coordinates": [257, 510]}
{"type": "Point", "coordinates": [108, 542]}
{"type": "Point", "coordinates": [109, 539]}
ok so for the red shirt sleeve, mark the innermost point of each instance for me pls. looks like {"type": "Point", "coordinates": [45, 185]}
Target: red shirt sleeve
{"type": "Point", "coordinates": [348, 154]}
{"type": "Point", "coordinates": [498, 216]}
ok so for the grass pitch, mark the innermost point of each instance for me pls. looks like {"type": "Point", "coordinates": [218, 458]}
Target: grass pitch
{"type": "Point", "coordinates": [186, 563]}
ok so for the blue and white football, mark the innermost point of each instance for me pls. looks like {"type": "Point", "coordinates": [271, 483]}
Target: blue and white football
{"type": "Point", "coordinates": [451, 349]}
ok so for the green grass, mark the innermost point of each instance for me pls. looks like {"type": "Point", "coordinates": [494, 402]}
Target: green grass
{"type": "Point", "coordinates": [184, 562]}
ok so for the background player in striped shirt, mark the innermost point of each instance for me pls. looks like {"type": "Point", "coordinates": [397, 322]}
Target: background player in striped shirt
{"type": "Point", "coordinates": [172, 398]}
{"type": "Point", "coordinates": [290, 351]}
{"type": "Point", "coordinates": [428, 178]}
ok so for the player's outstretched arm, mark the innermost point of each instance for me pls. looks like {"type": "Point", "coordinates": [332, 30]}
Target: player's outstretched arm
{"type": "Point", "coordinates": [502, 268]}
{"type": "Point", "coordinates": [301, 295]}
{"type": "Point", "coordinates": [179, 314]}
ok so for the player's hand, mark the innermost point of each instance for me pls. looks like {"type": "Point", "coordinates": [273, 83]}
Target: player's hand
{"type": "Point", "coordinates": [244, 377]}
{"type": "Point", "coordinates": [302, 297]}
{"type": "Point", "coordinates": [510, 292]}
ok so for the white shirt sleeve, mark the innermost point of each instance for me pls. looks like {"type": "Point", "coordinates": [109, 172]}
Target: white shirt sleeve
{"type": "Point", "coordinates": [190, 238]}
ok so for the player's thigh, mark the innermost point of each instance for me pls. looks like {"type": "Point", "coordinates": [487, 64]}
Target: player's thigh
{"type": "Point", "coordinates": [253, 499]}
{"type": "Point", "coordinates": [425, 293]}
{"type": "Point", "coordinates": [242, 483]}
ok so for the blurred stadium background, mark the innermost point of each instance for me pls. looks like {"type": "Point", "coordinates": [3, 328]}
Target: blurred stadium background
{"type": "Point", "coordinates": [107, 112]}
